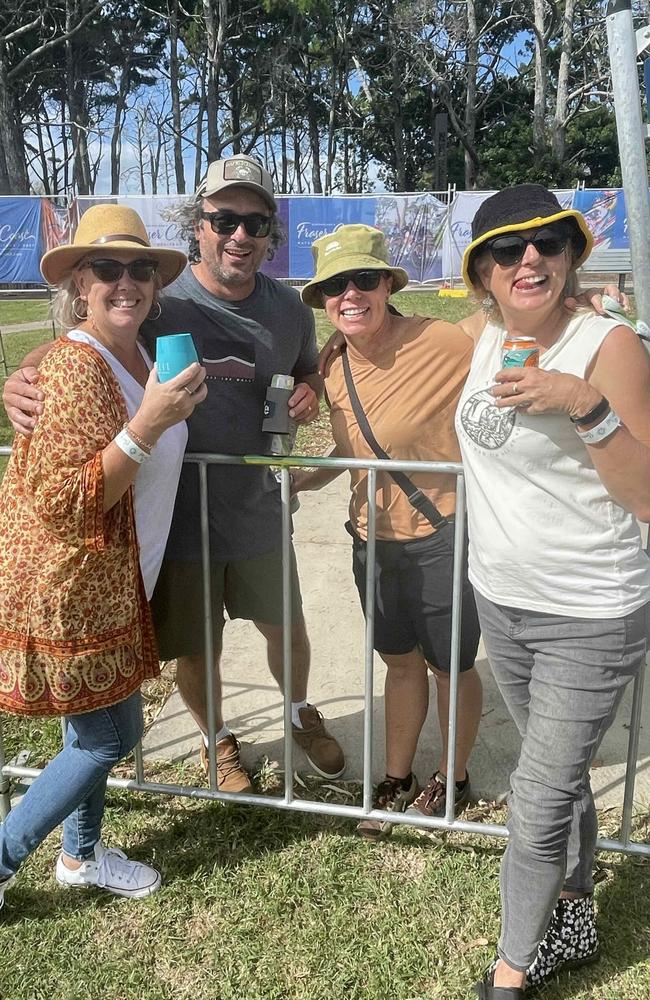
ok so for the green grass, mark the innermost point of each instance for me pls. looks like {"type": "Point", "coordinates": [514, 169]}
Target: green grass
{"type": "Point", "coordinates": [264, 905]}
{"type": "Point", "coordinates": [23, 311]}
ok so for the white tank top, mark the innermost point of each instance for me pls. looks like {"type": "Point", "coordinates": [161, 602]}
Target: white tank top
{"type": "Point", "coordinates": [154, 489]}
{"type": "Point", "coordinates": [544, 533]}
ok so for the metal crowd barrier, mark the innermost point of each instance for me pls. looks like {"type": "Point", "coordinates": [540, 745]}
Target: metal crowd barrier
{"type": "Point", "coordinates": [287, 802]}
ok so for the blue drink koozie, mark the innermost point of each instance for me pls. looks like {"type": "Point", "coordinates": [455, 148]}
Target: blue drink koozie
{"type": "Point", "coordinates": [173, 354]}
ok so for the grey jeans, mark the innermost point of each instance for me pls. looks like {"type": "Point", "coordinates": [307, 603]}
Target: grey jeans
{"type": "Point", "coordinates": [562, 680]}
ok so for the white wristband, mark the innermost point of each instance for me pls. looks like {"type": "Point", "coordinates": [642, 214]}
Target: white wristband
{"type": "Point", "coordinates": [125, 443]}
{"type": "Point", "coordinates": [607, 426]}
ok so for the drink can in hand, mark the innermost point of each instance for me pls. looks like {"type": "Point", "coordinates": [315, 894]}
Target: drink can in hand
{"type": "Point", "coordinates": [520, 352]}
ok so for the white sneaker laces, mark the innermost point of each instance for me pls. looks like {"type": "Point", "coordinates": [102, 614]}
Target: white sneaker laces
{"type": "Point", "coordinates": [115, 868]}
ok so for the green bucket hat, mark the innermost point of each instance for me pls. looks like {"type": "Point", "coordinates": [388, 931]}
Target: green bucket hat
{"type": "Point", "coordinates": [351, 247]}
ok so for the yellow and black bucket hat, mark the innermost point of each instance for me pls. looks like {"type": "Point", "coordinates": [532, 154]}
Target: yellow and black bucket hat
{"type": "Point", "coordinates": [524, 206]}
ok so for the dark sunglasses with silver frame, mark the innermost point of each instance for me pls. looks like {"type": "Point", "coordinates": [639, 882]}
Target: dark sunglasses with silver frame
{"type": "Point", "coordinates": [509, 249]}
{"type": "Point", "coordinates": [108, 270]}
{"type": "Point", "coordinates": [365, 281]}
{"type": "Point", "coordinates": [226, 223]}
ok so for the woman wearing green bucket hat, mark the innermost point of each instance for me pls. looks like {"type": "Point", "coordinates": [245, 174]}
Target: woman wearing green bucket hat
{"type": "Point", "coordinates": [408, 373]}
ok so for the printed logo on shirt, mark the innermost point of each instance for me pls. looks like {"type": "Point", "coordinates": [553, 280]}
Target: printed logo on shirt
{"type": "Point", "coordinates": [230, 369]}
{"type": "Point", "coordinates": [484, 423]}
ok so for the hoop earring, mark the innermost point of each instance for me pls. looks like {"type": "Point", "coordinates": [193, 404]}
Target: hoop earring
{"type": "Point", "coordinates": [151, 315]}
{"type": "Point", "coordinates": [488, 303]}
{"type": "Point", "coordinates": [76, 314]}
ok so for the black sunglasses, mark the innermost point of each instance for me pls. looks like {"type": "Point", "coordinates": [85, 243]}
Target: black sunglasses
{"type": "Point", "coordinates": [365, 281]}
{"type": "Point", "coordinates": [226, 223]}
{"type": "Point", "coordinates": [508, 250]}
{"type": "Point", "coordinates": [109, 270]}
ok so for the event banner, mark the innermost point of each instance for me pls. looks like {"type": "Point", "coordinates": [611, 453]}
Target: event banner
{"type": "Point", "coordinates": [425, 236]}
{"type": "Point", "coordinates": [606, 217]}
{"type": "Point", "coordinates": [21, 246]}
{"type": "Point", "coordinates": [413, 225]}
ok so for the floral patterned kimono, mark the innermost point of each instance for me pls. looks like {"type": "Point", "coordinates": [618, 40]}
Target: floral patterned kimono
{"type": "Point", "coordinates": [75, 626]}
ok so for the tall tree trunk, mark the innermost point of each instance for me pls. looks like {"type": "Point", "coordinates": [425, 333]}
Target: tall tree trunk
{"type": "Point", "coordinates": [284, 168]}
{"type": "Point", "coordinates": [118, 122]}
{"type": "Point", "coordinates": [13, 170]}
{"type": "Point", "coordinates": [198, 141]}
{"type": "Point", "coordinates": [562, 97]}
{"type": "Point", "coordinates": [470, 94]}
{"type": "Point", "coordinates": [314, 145]}
{"type": "Point", "coordinates": [297, 158]}
{"type": "Point", "coordinates": [216, 35]}
{"type": "Point", "coordinates": [396, 99]}
{"type": "Point", "coordinates": [331, 123]}
{"type": "Point", "coordinates": [539, 105]}
{"type": "Point", "coordinates": [179, 168]}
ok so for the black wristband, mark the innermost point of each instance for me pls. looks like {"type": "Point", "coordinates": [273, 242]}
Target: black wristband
{"type": "Point", "coordinates": [599, 410]}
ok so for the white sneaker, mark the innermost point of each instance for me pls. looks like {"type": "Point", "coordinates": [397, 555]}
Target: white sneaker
{"type": "Point", "coordinates": [110, 869]}
{"type": "Point", "coordinates": [8, 882]}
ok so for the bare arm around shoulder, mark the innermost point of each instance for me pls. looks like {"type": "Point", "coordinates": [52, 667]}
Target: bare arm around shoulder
{"type": "Point", "coordinates": [315, 479]}
{"type": "Point", "coordinates": [23, 400]}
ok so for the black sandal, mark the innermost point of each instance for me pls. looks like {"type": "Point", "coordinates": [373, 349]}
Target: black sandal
{"type": "Point", "coordinates": [486, 990]}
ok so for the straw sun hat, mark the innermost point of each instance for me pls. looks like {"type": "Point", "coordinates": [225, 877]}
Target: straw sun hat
{"type": "Point", "coordinates": [104, 228]}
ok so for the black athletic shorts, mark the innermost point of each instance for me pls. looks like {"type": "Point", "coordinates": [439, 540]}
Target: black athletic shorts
{"type": "Point", "coordinates": [413, 589]}
{"type": "Point", "coordinates": [245, 588]}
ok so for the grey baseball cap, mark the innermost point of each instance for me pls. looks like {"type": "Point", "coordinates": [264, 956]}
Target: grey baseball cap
{"type": "Point", "coordinates": [238, 171]}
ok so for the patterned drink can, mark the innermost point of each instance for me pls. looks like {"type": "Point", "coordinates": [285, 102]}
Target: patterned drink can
{"type": "Point", "coordinates": [519, 352]}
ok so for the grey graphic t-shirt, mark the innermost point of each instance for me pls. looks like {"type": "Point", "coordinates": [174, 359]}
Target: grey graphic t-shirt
{"type": "Point", "coordinates": [242, 345]}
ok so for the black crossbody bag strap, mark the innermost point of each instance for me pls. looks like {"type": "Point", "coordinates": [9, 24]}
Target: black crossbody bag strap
{"type": "Point", "coordinates": [414, 495]}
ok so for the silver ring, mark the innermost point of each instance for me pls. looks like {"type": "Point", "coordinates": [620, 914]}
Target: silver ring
{"type": "Point", "coordinates": [190, 392]}
{"type": "Point", "coordinates": [515, 388]}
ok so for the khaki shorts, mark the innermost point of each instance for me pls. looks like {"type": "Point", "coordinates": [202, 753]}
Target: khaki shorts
{"type": "Point", "coordinates": [244, 588]}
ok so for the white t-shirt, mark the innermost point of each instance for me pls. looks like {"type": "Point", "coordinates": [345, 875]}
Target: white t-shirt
{"type": "Point", "coordinates": [157, 478]}
{"type": "Point", "coordinates": [545, 535]}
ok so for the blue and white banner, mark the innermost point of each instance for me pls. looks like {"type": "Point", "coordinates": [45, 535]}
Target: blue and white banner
{"type": "Point", "coordinates": [425, 236]}
{"type": "Point", "coordinates": [20, 240]}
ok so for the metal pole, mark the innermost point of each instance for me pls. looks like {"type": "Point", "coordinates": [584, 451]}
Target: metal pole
{"type": "Point", "coordinates": [208, 636]}
{"type": "Point", "coordinates": [621, 42]}
{"type": "Point", "coordinates": [5, 784]}
{"type": "Point", "coordinates": [369, 641]}
{"type": "Point", "coordinates": [632, 756]}
{"type": "Point", "coordinates": [454, 661]}
{"type": "Point", "coordinates": [287, 632]}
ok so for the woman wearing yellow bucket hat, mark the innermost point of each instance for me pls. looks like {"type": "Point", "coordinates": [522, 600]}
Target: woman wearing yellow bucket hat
{"type": "Point", "coordinates": [557, 463]}
{"type": "Point", "coordinates": [408, 374]}
{"type": "Point", "coordinates": [85, 507]}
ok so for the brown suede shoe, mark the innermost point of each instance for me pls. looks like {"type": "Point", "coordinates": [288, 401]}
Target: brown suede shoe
{"type": "Point", "coordinates": [231, 776]}
{"type": "Point", "coordinates": [321, 749]}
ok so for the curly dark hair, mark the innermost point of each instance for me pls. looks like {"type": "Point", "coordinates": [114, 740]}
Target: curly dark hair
{"type": "Point", "coordinates": [187, 216]}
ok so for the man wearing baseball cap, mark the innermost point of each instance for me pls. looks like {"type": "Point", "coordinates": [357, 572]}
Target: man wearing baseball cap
{"type": "Point", "coordinates": [247, 327]}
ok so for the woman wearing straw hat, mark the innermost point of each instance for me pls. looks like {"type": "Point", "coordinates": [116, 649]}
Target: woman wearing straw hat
{"type": "Point", "coordinates": [85, 506]}
{"type": "Point", "coordinates": [557, 465]}
{"type": "Point", "coordinates": [408, 373]}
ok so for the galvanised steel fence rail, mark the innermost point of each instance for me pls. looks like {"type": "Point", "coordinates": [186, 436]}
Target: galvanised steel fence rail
{"type": "Point", "coordinates": [287, 801]}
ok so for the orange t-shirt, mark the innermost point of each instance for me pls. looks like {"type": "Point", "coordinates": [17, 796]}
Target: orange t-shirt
{"type": "Point", "coordinates": [409, 382]}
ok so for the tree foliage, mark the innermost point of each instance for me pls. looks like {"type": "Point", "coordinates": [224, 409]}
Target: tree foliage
{"type": "Point", "coordinates": [331, 94]}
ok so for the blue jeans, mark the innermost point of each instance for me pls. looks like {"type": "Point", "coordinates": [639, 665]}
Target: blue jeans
{"type": "Point", "coordinates": [562, 680]}
{"type": "Point", "coordinates": [72, 788]}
